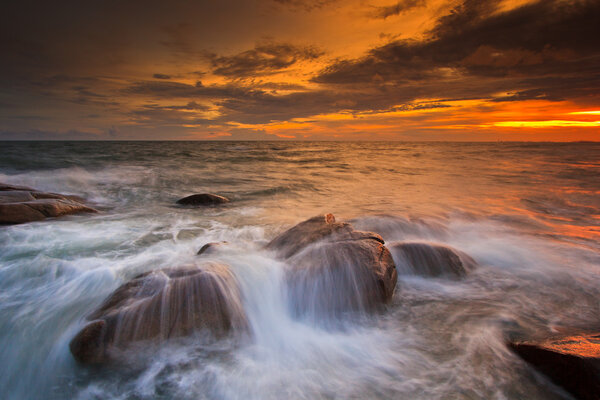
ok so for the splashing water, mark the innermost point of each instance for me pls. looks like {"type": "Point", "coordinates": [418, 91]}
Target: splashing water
{"type": "Point", "coordinates": [528, 218]}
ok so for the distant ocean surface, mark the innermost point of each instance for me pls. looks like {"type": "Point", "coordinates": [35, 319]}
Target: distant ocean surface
{"type": "Point", "coordinates": [528, 213]}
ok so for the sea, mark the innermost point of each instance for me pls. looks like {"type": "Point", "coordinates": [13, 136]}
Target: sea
{"type": "Point", "coordinates": [527, 213]}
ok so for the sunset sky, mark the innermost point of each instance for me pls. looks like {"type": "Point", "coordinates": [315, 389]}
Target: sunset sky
{"type": "Point", "coordinates": [292, 69]}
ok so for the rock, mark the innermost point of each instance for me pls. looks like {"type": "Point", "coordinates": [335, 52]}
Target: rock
{"type": "Point", "coordinates": [6, 187]}
{"type": "Point", "coordinates": [160, 305]}
{"type": "Point", "coordinates": [20, 204]}
{"type": "Point", "coordinates": [203, 199]}
{"type": "Point", "coordinates": [572, 362]}
{"type": "Point", "coordinates": [334, 268]}
{"type": "Point", "coordinates": [210, 248]}
{"type": "Point", "coordinates": [431, 259]}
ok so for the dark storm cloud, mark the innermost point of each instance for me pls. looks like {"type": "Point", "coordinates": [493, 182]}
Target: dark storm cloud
{"type": "Point", "coordinates": [263, 59]}
{"type": "Point", "coordinates": [161, 76]}
{"type": "Point", "coordinates": [177, 90]}
{"type": "Point", "coordinates": [546, 38]}
{"type": "Point", "coordinates": [396, 9]}
{"type": "Point", "coordinates": [166, 116]}
{"type": "Point", "coordinates": [307, 5]}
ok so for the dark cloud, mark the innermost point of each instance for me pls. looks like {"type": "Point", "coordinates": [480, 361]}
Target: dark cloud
{"type": "Point", "coordinates": [175, 115]}
{"type": "Point", "coordinates": [396, 9]}
{"type": "Point", "coordinates": [177, 90]}
{"type": "Point", "coordinates": [161, 76]}
{"type": "Point", "coordinates": [306, 5]}
{"type": "Point", "coordinates": [263, 59]}
{"type": "Point", "coordinates": [545, 38]}
{"type": "Point", "coordinates": [36, 134]}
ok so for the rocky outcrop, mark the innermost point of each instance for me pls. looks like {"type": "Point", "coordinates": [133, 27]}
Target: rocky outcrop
{"type": "Point", "coordinates": [211, 248]}
{"type": "Point", "coordinates": [431, 259]}
{"type": "Point", "coordinates": [159, 305]}
{"type": "Point", "coordinates": [572, 362]}
{"type": "Point", "coordinates": [334, 268]}
{"type": "Point", "coordinates": [20, 204]}
{"type": "Point", "coordinates": [203, 199]}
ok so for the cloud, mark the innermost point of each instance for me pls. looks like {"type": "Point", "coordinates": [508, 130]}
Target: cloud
{"type": "Point", "coordinates": [35, 134]}
{"type": "Point", "coordinates": [263, 59]}
{"type": "Point", "coordinates": [396, 9]}
{"type": "Point", "coordinates": [476, 43]}
{"type": "Point", "coordinates": [161, 76]}
{"type": "Point", "coordinates": [306, 5]}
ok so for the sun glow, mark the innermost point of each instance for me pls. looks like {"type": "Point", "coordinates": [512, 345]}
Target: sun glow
{"type": "Point", "coordinates": [545, 124]}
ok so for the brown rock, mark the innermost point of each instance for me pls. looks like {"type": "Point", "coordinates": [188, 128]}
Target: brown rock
{"type": "Point", "coordinates": [572, 362]}
{"type": "Point", "coordinates": [334, 268]}
{"type": "Point", "coordinates": [21, 204]}
{"type": "Point", "coordinates": [6, 187]}
{"type": "Point", "coordinates": [203, 199]}
{"type": "Point", "coordinates": [159, 305]}
{"type": "Point", "coordinates": [431, 259]}
{"type": "Point", "coordinates": [210, 248]}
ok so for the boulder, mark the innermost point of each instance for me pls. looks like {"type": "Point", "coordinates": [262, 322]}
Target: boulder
{"type": "Point", "coordinates": [159, 305]}
{"type": "Point", "coordinates": [572, 362]}
{"type": "Point", "coordinates": [431, 259]}
{"type": "Point", "coordinates": [203, 199]}
{"type": "Point", "coordinates": [211, 248]}
{"type": "Point", "coordinates": [334, 269]}
{"type": "Point", "coordinates": [19, 204]}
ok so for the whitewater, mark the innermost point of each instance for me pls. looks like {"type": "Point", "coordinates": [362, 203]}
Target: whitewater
{"type": "Point", "coordinates": [527, 213]}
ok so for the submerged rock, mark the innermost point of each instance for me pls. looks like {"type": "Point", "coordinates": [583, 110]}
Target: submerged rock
{"type": "Point", "coordinates": [431, 259]}
{"type": "Point", "coordinates": [572, 362]}
{"type": "Point", "coordinates": [203, 199]}
{"type": "Point", "coordinates": [334, 268]}
{"type": "Point", "coordinates": [210, 248]}
{"type": "Point", "coordinates": [162, 304]}
{"type": "Point", "coordinates": [20, 204]}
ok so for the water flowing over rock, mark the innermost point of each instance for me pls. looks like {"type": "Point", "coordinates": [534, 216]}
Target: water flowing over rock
{"type": "Point", "coordinates": [203, 199]}
{"type": "Point", "coordinates": [431, 259]}
{"type": "Point", "coordinates": [163, 304]}
{"type": "Point", "coordinates": [334, 268]}
{"type": "Point", "coordinates": [572, 362]}
{"type": "Point", "coordinates": [20, 204]}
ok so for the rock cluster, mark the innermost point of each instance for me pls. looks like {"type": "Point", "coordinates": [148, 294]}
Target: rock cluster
{"type": "Point", "coordinates": [20, 204]}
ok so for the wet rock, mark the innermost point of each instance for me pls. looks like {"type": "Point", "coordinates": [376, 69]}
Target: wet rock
{"type": "Point", "coordinates": [211, 248]}
{"type": "Point", "coordinates": [334, 268]}
{"type": "Point", "coordinates": [19, 204]}
{"type": "Point", "coordinates": [431, 259]}
{"type": "Point", "coordinates": [572, 362]}
{"type": "Point", "coordinates": [6, 187]}
{"type": "Point", "coordinates": [203, 199]}
{"type": "Point", "coordinates": [159, 305]}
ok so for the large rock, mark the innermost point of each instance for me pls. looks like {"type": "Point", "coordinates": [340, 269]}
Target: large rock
{"type": "Point", "coordinates": [572, 362]}
{"type": "Point", "coordinates": [159, 305]}
{"type": "Point", "coordinates": [203, 199]}
{"type": "Point", "coordinates": [431, 259]}
{"type": "Point", "coordinates": [334, 268]}
{"type": "Point", "coordinates": [19, 204]}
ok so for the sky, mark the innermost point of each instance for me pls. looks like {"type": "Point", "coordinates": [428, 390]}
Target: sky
{"type": "Point", "coordinates": [450, 70]}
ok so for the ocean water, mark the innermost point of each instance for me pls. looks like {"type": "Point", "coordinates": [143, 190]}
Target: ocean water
{"type": "Point", "coordinates": [529, 214]}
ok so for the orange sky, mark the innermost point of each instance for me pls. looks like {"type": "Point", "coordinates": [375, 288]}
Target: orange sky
{"type": "Point", "coordinates": [311, 70]}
